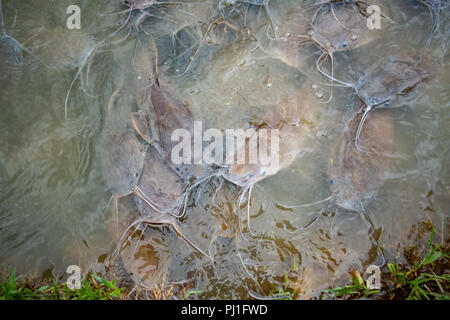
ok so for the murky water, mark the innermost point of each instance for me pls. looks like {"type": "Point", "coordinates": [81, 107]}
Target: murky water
{"type": "Point", "coordinates": [55, 207]}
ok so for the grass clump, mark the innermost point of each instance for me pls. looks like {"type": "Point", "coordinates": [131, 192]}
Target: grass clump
{"type": "Point", "coordinates": [285, 291]}
{"type": "Point", "coordinates": [426, 278]}
{"type": "Point", "coordinates": [11, 290]}
{"type": "Point", "coordinates": [93, 287]}
{"type": "Point", "coordinates": [418, 278]}
{"type": "Point", "coordinates": [358, 289]}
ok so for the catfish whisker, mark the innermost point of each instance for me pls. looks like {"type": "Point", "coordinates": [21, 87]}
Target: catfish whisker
{"type": "Point", "coordinates": [368, 109]}
{"type": "Point", "coordinates": [248, 209]}
{"type": "Point", "coordinates": [87, 57]}
{"type": "Point", "coordinates": [306, 225]}
{"type": "Point", "coordinates": [336, 18]}
{"type": "Point", "coordinates": [306, 205]}
{"type": "Point", "coordinates": [139, 193]}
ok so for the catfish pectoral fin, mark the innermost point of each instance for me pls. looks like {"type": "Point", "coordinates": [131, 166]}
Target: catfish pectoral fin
{"type": "Point", "coordinates": [141, 126]}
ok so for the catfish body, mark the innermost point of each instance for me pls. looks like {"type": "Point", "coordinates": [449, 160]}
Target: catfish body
{"type": "Point", "coordinates": [356, 176]}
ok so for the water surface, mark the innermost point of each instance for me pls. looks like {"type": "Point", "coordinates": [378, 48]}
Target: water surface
{"type": "Point", "coordinates": [53, 197]}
